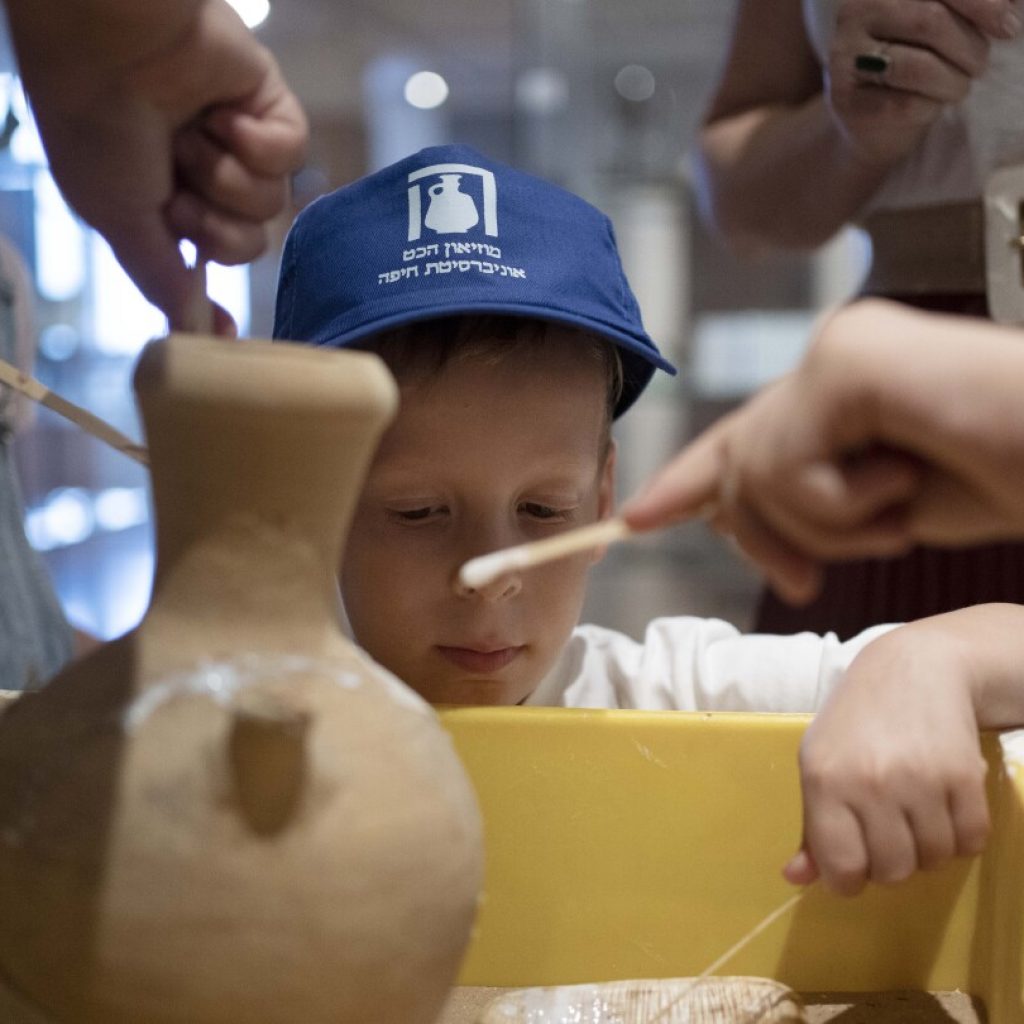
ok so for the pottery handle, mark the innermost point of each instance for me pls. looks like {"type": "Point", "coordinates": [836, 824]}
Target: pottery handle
{"type": "Point", "coordinates": [267, 756]}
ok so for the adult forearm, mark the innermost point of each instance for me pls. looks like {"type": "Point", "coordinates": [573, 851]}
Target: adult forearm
{"type": "Point", "coordinates": [68, 48]}
{"type": "Point", "coordinates": [117, 24]}
{"type": "Point", "coordinates": [781, 176]}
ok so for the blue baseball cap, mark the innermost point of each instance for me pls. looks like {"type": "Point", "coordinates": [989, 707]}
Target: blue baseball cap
{"type": "Point", "coordinates": [448, 231]}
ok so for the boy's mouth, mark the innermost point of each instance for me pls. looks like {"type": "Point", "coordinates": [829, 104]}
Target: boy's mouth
{"type": "Point", "coordinates": [474, 660]}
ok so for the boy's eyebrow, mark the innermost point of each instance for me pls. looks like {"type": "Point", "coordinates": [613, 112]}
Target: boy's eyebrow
{"type": "Point", "coordinates": [565, 481]}
{"type": "Point", "coordinates": [574, 479]}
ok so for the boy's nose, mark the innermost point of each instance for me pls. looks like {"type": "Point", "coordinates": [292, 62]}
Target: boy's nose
{"type": "Point", "coordinates": [500, 589]}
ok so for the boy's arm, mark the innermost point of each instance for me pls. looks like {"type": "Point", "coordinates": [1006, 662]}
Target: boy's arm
{"type": "Point", "coordinates": [161, 120]}
{"type": "Point", "coordinates": [892, 774]}
{"type": "Point", "coordinates": [687, 663]}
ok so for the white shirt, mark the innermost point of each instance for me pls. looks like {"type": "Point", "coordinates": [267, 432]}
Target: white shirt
{"type": "Point", "coordinates": [694, 664]}
{"type": "Point", "coordinates": [966, 142]}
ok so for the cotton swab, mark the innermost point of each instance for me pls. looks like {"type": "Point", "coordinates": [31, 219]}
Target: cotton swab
{"type": "Point", "coordinates": [479, 572]}
{"type": "Point", "coordinates": [485, 569]}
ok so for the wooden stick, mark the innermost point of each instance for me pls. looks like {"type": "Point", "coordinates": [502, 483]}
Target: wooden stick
{"type": "Point", "coordinates": [199, 312]}
{"type": "Point", "coordinates": [198, 320]}
{"type": "Point", "coordinates": [479, 572]}
{"type": "Point", "coordinates": [766, 922]}
{"type": "Point", "coordinates": [661, 1001]}
{"type": "Point", "coordinates": [100, 429]}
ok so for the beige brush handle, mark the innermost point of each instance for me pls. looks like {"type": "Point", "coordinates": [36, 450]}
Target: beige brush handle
{"type": "Point", "coordinates": [198, 317]}
{"type": "Point", "coordinates": [198, 320]}
{"type": "Point", "coordinates": [91, 424]}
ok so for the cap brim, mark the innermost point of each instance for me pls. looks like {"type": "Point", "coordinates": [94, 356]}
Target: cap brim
{"type": "Point", "coordinates": [638, 347]}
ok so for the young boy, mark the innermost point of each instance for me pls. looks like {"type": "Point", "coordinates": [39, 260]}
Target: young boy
{"type": "Point", "coordinates": [499, 303]}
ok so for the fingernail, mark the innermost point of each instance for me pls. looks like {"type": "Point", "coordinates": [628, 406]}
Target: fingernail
{"type": "Point", "coordinates": [1011, 24]}
{"type": "Point", "coordinates": [801, 869]}
{"type": "Point", "coordinates": [791, 869]}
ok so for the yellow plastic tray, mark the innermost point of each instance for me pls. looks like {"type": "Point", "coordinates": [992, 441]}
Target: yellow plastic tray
{"type": "Point", "coordinates": [627, 844]}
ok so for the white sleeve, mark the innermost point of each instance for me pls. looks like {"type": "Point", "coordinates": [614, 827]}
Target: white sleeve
{"type": "Point", "coordinates": [693, 664]}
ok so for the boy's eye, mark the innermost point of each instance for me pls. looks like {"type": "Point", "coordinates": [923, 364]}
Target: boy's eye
{"type": "Point", "coordinates": [538, 511]}
{"type": "Point", "coordinates": [417, 515]}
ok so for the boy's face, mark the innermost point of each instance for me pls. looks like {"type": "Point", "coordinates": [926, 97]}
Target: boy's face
{"type": "Point", "coordinates": [480, 457]}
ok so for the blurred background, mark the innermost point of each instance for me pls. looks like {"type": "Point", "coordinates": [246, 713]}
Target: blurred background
{"type": "Point", "coordinates": [600, 96]}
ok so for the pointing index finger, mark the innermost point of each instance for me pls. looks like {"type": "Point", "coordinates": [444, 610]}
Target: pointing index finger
{"type": "Point", "coordinates": [688, 486]}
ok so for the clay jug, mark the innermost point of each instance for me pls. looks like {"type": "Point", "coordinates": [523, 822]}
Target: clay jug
{"type": "Point", "coordinates": [231, 814]}
{"type": "Point", "coordinates": [451, 210]}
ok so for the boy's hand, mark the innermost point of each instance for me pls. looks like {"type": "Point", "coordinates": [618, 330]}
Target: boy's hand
{"type": "Point", "coordinates": [892, 774]}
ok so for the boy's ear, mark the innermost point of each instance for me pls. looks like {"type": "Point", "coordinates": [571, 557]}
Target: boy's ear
{"type": "Point", "coordinates": [605, 495]}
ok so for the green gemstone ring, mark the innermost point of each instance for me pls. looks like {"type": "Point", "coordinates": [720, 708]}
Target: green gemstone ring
{"type": "Point", "coordinates": [872, 63]}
